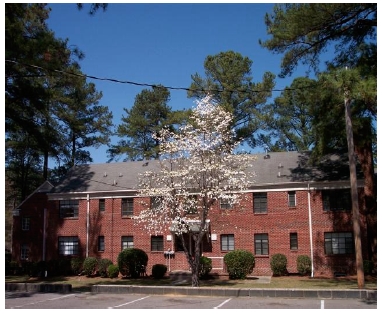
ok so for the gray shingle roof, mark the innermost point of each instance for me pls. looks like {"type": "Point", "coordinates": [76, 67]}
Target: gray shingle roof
{"type": "Point", "coordinates": [278, 168]}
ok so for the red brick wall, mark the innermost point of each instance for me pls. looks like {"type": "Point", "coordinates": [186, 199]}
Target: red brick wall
{"type": "Point", "coordinates": [278, 223]}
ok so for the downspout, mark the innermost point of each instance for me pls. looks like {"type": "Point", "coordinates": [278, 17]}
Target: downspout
{"type": "Point", "coordinates": [87, 225]}
{"type": "Point", "coordinates": [44, 237]}
{"type": "Point", "coordinates": [310, 232]}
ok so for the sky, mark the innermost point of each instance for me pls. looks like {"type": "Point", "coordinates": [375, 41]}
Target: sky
{"type": "Point", "coordinates": [161, 43]}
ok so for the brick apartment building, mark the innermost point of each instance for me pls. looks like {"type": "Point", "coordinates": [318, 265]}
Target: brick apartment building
{"type": "Point", "coordinates": [293, 208]}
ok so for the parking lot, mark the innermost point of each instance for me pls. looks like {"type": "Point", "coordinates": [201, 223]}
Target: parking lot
{"type": "Point", "coordinates": [28, 300]}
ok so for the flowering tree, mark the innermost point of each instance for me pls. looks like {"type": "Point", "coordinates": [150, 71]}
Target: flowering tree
{"type": "Point", "coordinates": [198, 167]}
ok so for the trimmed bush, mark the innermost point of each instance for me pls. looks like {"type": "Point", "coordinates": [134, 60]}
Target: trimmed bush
{"type": "Point", "coordinates": [90, 266]}
{"type": "Point", "coordinates": [205, 266]}
{"type": "Point", "coordinates": [77, 265]}
{"type": "Point", "coordinates": [303, 264]}
{"type": "Point", "coordinates": [240, 263]}
{"type": "Point", "coordinates": [113, 271]}
{"type": "Point", "coordinates": [279, 264]}
{"type": "Point", "coordinates": [103, 264]}
{"type": "Point", "coordinates": [158, 271]}
{"type": "Point", "coordinates": [131, 262]}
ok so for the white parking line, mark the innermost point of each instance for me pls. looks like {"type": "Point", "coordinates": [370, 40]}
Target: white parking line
{"type": "Point", "coordinates": [58, 298]}
{"type": "Point", "coordinates": [112, 307]}
{"type": "Point", "coordinates": [221, 304]}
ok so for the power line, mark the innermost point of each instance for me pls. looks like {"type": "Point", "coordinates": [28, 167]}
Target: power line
{"type": "Point", "coordinates": [150, 85]}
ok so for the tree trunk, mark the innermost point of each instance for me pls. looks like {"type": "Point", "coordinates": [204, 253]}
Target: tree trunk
{"type": "Point", "coordinates": [354, 195]}
{"type": "Point", "coordinates": [363, 148]}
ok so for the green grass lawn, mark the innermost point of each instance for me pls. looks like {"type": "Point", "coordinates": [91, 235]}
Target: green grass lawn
{"type": "Point", "coordinates": [83, 283]}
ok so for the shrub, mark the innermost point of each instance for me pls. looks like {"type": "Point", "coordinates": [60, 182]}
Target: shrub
{"type": "Point", "coordinates": [77, 265]}
{"type": "Point", "coordinates": [279, 264]}
{"type": "Point", "coordinates": [131, 261]}
{"type": "Point", "coordinates": [90, 265]}
{"type": "Point", "coordinates": [103, 264]}
{"type": "Point", "coordinates": [158, 271]}
{"type": "Point", "coordinates": [112, 271]}
{"type": "Point", "coordinates": [303, 264]}
{"type": "Point", "coordinates": [368, 267]}
{"type": "Point", "coordinates": [239, 263]}
{"type": "Point", "coordinates": [205, 266]}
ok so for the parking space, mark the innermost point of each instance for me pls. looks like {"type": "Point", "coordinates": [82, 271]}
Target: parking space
{"type": "Point", "coordinates": [24, 300]}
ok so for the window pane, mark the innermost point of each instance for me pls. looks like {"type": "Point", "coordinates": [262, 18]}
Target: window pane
{"type": "Point", "coordinates": [293, 241]}
{"type": "Point", "coordinates": [24, 252]}
{"type": "Point", "coordinates": [127, 206]}
{"type": "Point", "coordinates": [68, 245]}
{"type": "Point", "coordinates": [335, 200]}
{"type": "Point", "coordinates": [101, 243]}
{"type": "Point", "coordinates": [339, 243]}
{"type": "Point", "coordinates": [227, 242]}
{"type": "Point", "coordinates": [292, 199]}
{"type": "Point", "coordinates": [260, 203]}
{"type": "Point", "coordinates": [25, 223]}
{"type": "Point", "coordinates": [102, 205]}
{"type": "Point", "coordinates": [127, 242]}
{"type": "Point", "coordinates": [69, 208]}
{"type": "Point", "coordinates": [261, 244]}
{"type": "Point", "coordinates": [157, 243]}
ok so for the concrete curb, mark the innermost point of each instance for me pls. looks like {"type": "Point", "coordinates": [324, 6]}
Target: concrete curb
{"type": "Point", "coordinates": [201, 291]}
{"type": "Point", "coordinates": [38, 287]}
{"type": "Point", "coordinates": [232, 292]}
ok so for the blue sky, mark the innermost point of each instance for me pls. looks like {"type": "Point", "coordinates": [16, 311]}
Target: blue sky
{"type": "Point", "coordinates": [162, 43]}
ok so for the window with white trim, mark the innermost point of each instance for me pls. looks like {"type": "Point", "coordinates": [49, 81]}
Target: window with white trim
{"type": "Point", "coordinates": [292, 198]}
{"type": "Point", "coordinates": [260, 203]}
{"type": "Point", "coordinates": [68, 245]}
{"type": "Point", "coordinates": [227, 242]}
{"type": "Point", "coordinates": [261, 244]}
{"type": "Point", "coordinates": [101, 243]}
{"type": "Point", "coordinates": [157, 243]}
{"type": "Point", "coordinates": [69, 208]}
{"type": "Point", "coordinates": [127, 242]}
{"type": "Point", "coordinates": [25, 223]}
{"type": "Point", "coordinates": [127, 206]}
{"type": "Point", "coordinates": [293, 241]}
{"type": "Point", "coordinates": [24, 252]}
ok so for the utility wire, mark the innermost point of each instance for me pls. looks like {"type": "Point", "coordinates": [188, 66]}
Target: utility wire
{"type": "Point", "coordinates": [149, 85]}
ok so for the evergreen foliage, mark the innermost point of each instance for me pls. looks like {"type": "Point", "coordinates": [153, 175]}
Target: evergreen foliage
{"type": "Point", "coordinates": [304, 264]}
{"type": "Point", "coordinates": [240, 263]}
{"type": "Point", "coordinates": [279, 264]}
{"type": "Point", "coordinates": [158, 271]}
{"type": "Point", "coordinates": [131, 262]}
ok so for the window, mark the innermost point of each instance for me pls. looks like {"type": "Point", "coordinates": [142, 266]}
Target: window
{"type": "Point", "coordinates": [25, 223]}
{"type": "Point", "coordinates": [227, 242]}
{"type": "Point", "coordinates": [127, 242]}
{"type": "Point", "coordinates": [101, 243]}
{"type": "Point", "coordinates": [334, 200]}
{"type": "Point", "coordinates": [101, 205]}
{"type": "Point", "coordinates": [127, 206]}
{"type": "Point", "coordinates": [261, 244]}
{"type": "Point", "coordinates": [69, 208]}
{"type": "Point", "coordinates": [192, 204]}
{"type": "Point", "coordinates": [157, 243]}
{"type": "Point", "coordinates": [24, 254]}
{"type": "Point", "coordinates": [155, 202]}
{"type": "Point", "coordinates": [226, 204]}
{"type": "Point", "coordinates": [293, 241]}
{"type": "Point", "coordinates": [260, 203]}
{"type": "Point", "coordinates": [339, 243]}
{"type": "Point", "coordinates": [292, 198]}
{"type": "Point", "coordinates": [68, 245]}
